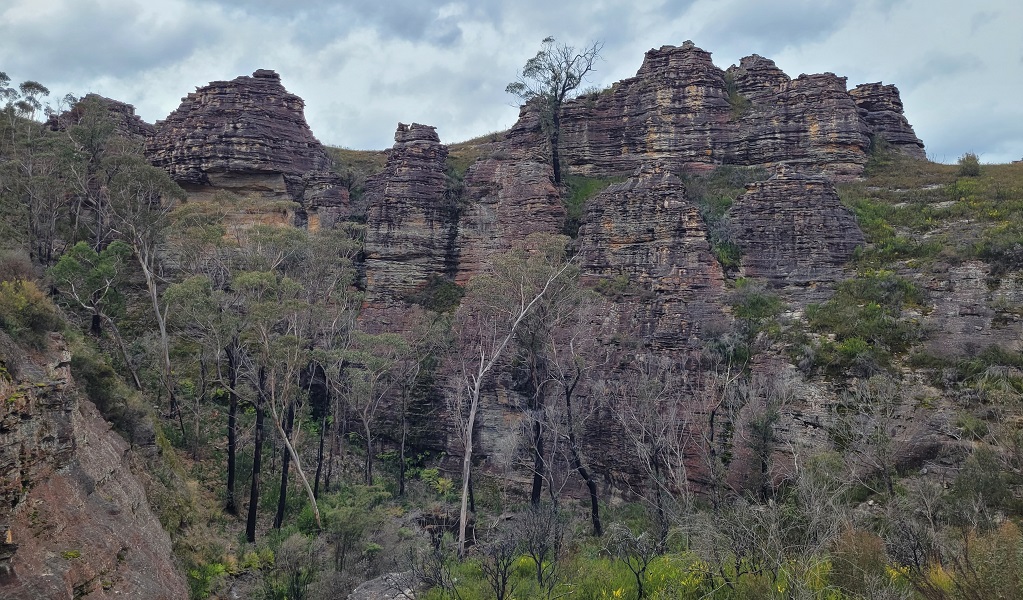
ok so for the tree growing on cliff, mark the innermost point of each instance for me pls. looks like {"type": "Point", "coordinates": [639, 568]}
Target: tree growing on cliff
{"type": "Point", "coordinates": [548, 79]}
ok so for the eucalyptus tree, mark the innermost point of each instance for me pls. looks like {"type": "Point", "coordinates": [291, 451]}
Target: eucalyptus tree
{"type": "Point", "coordinates": [548, 80]}
{"type": "Point", "coordinates": [91, 281]}
{"type": "Point", "coordinates": [141, 198]}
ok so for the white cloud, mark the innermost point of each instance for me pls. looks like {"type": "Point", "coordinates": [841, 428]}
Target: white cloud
{"type": "Point", "coordinates": [364, 65]}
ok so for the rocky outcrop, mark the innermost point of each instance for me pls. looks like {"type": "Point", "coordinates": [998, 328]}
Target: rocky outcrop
{"type": "Point", "coordinates": [644, 240]}
{"type": "Point", "coordinates": [675, 111]}
{"type": "Point", "coordinates": [75, 519]}
{"type": "Point", "coordinates": [685, 113]}
{"type": "Point", "coordinates": [413, 218]}
{"type": "Point", "coordinates": [250, 134]}
{"type": "Point", "coordinates": [972, 310]}
{"type": "Point", "coordinates": [810, 121]}
{"type": "Point", "coordinates": [126, 122]}
{"type": "Point", "coordinates": [794, 231]}
{"type": "Point", "coordinates": [881, 109]}
{"type": "Point", "coordinates": [506, 197]}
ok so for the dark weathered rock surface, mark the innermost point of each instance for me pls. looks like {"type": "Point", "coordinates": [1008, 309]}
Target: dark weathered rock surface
{"type": "Point", "coordinates": [76, 518]}
{"type": "Point", "coordinates": [126, 122]}
{"type": "Point", "coordinates": [674, 111]}
{"type": "Point", "coordinates": [507, 197]}
{"type": "Point", "coordinates": [972, 310]}
{"type": "Point", "coordinates": [881, 108]}
{"type": "Point", "coordinates": [250, 128]}
{"type": "Point", "coordinates": [794, 231]}
{"type": "Point", "coordinates": [413, 218]}
{"type": "Point", "coordinates": [645, 238]}
{"type": "Point", "coordinates": [682, 111]}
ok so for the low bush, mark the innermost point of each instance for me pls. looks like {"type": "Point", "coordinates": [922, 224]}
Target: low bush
{"type": "Point", "coordinates": [969, 165]}
{"type": "Point", "coordinates": [26, 314]}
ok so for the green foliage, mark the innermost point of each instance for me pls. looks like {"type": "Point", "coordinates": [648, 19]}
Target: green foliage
{"type": "Point", "coordinates": [438, 294]}
{"type": "Point", "coordinates": [739, 104]}
{"type": "Point", "coordinates": [26, 314]}
{"type": "Point", "coordinates": [115, 401]}
{"type": "Point", "coordinates": [864, 317]}
{"type": "Point", "coordinates": [969, 165]}
{"type": "Point", "coordinates": [613, 287]}
{"type": "Point", "coordinates": [203, 579]}
{"type": "Point", "coordinates": [580, 191]}
{"type": "Point", "coordinates": [714, 194]}
{"type": "Point", "coordinates": [91, 280]}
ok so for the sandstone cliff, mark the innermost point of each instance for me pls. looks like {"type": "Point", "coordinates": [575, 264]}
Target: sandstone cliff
{"type": "Point", "coordinates": [413, 218]}
{"type": "Point", "coordinates": [76, 519]}
{"type": "Point", "coordinates": [683, 111]}
{"type": "Point", "coordinates": [794, 233]}
{"type": "Point", "coordinates": [249, 134]}
{"type": "Point", "coordinates": [644, 240]}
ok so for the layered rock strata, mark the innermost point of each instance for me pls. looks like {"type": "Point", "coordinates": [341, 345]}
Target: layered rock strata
{"type": "Point", "coordinates": [413, 218]}
{"type": "Point", "coordinates": [126, 122]}
{"type": "Point", "coordinates": [810, 121]}
{"type": "Point", "coordinates": [249, 134]}
{"type": "Point", "coordinates": [682, 111]}
{"type": "Point", "coordinates": [793, 231]}
{"type": "Point", "coordinates": [881, 109]}
{"type": "Point", "coordinates": [507, 197]}
{"type": "Point", "coordinates": [645, 241]}
{"type": "Point", "coordinates": [75, 519]}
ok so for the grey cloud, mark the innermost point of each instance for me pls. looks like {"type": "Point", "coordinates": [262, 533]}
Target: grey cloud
{"type": "Point", "coordinates": [100, 40]}
{"type": "Point", "coordinates": [767, 28]}
{"type": "Point", "coordinates": [937, 66]}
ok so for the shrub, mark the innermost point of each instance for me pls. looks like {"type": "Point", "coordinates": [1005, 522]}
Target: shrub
{"type": "Point", "coordinates": [865, 317]}
{"type": "Point", "coordinates": [969, 165]}
{"type": "Point", "coordinates": [857, 559]}
{"type": "Point", "coordinates": [26, 314]}
{"type": "Point", "coordinates": [438, 294]}
{"type": "Point", "coordinates": [15, 265]}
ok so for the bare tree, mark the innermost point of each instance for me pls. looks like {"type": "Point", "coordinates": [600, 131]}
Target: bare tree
{"type": "Point", "coordinates": [496, 561]}
{"type": "Point", "coordinates": [543, 540]}
{"type": "Point", "coordinates": [635, 551]}
{"type": "Point", "coordinates": [651, 401]}
{"type": "Point", "coordinates": [486, 323]}
{"type": "Point", "coordinates": [868, 431]}
{"type": "Point", "coordinates": [548, 79]}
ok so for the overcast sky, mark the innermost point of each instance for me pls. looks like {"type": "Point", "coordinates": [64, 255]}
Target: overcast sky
{"type": "Point", "coordinates": [364, 65]}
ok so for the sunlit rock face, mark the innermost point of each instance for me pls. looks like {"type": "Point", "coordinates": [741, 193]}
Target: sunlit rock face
{"type": "Point", "coordinates": [249, 134]}
{"type": "Point", "coordinates": [682, 111]}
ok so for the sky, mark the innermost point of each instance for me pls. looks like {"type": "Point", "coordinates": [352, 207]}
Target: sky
{"type": "Point", "coordinates": [363, 66]}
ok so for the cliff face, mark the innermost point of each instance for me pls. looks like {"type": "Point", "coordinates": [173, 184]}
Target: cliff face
{"type": "Point", "coordinates": [250, 134]}
{"type": "Point", "coordinates": [794, 232]}
{"type": "Point", "coordinates": [683, 111]}
{"type": "Point", "coordinates": [881, 109]}
{"type": "Point", "coordinates": [412, 220]}
{"type": "Point", "coordinates": [646, 241]}
{"type": "Point", "coordinates": [75, 520]}
{"type": "Point", "coordinates": [507, 197]}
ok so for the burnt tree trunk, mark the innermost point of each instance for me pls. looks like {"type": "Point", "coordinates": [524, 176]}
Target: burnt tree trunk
{"type": "Point", "coordinates": [282, 499]}
{"type": "Point", "coordinates": [257, 456]}
{"type": "Point", "coordinates": [232, 429]}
